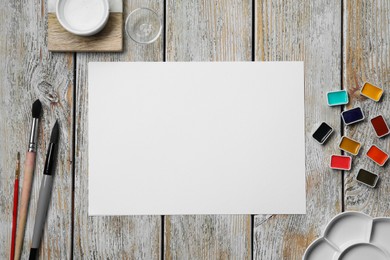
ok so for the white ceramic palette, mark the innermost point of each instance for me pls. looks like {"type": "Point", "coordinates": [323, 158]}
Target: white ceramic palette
{"type": "Point", "coordinates": [352, 236]}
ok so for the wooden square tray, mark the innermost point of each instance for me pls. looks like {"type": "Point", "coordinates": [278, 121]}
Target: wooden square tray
{"type": "Point", "coordinates": [110, 39]}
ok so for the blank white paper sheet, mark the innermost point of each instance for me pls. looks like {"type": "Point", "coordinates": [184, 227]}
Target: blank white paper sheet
{"type": "Point", "coordinates": [196, 138]}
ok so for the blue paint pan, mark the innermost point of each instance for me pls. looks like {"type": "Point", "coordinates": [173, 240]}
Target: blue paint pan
{"type": "Point", "coordinates": [352, 116]}
{"type": "Point", "coordinates": [337, 98]}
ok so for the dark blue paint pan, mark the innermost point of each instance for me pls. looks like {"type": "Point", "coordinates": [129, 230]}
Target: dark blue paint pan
{"type": "Point", "coordinates": [352, 116]}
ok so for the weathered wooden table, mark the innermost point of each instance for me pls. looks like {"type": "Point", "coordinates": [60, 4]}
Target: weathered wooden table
{"type": "Point", "coordinates": [343, 44]}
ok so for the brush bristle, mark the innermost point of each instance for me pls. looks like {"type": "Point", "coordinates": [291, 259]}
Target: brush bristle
{"type": "Point", "coordinates": [55, 133]}
{"type": "Point", "coordinates": [36, 109]}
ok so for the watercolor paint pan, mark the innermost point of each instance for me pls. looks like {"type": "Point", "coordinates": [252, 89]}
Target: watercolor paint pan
{"type": "Point", "coordinates": [322, 133]}
{"type": "Point", "coordinates": [352, 116]}
{"type": "Point", "coordinates": [371, 91]}
{"type": "Point", "coordinates": [349, 145]}
{"type": "Point", "coordinates": [377, 155]}
{"type": "Point", "coordinates": [380, 126]}
{"type": "Point", "coordinates": [340, 162]}
{"type": "Point", "coordinates": [367, 178]}
{"type": "Point", "coordinates": [337, 98]}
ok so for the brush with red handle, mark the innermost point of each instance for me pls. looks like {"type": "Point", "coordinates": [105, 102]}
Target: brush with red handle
{"type": "Point", "coordinates": [15, 211]}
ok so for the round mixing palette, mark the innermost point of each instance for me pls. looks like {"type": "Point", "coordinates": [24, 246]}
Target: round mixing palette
{"type": "Point", "coordinates": [352, 235]}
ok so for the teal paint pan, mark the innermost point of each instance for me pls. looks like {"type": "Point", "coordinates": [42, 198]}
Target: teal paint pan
{"type": "Point", "coordinates": [337, 98]}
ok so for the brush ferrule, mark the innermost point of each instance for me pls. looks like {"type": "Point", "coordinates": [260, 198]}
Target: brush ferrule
{"type": "Point", "coordinates": [33, 143]}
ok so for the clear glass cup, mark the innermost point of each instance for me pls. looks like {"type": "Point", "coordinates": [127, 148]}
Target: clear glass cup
{"type": "Point", "coordinates": [143, 25]}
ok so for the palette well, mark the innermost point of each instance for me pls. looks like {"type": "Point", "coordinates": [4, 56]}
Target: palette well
{"type": "Point", "coordinates": [371, 91]}
{"type": "Point", "coordinates": [337, 98]}
{"type": "Point", "coordinates": [380, 126]}
{"type": "Point", "coordinates": [367, 178]}
{"type": "Point", "coordinates": [352, 116]}
{"type": "Point", "coordinates": [377, 155]}
{"type": "Point", "coordinates": [340, 162]}
{"type": "Point", "coordinates": [349, 145]}
{"type": "Point", "coordinates": [322, 133]}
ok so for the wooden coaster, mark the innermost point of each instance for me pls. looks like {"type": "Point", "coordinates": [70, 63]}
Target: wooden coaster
{"type": "Point", "coordinates": [110, 39]}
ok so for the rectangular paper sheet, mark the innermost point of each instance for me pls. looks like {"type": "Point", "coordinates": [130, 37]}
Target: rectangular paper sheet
{"type": "Point", "coordinates": [196, 138]}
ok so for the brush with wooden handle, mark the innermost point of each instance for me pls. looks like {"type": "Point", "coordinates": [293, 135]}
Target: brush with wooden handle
{"type": "Point", "coordinates": [27, 178]}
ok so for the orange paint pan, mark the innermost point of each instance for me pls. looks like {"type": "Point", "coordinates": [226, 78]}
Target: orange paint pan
{"type": "Point", "coordinates": [377, 155]}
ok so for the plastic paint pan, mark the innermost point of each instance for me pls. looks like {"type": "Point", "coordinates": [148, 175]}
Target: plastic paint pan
{"type": "Point", "coordinates": [349, 145]}
{"type": "Point", "coordinates": [340, 162]}
{"type": "Point", "coordinates": [377, 155]}
{"type": "Point", "coordinates": [337, 98]}
{"type": "Point", "coordinates": [371, 91]}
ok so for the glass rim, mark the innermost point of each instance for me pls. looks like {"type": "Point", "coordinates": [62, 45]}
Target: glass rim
{"type": "Point", "coordinates": [143, 9]}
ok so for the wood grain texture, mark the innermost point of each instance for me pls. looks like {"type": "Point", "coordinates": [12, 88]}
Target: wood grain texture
{"type": "Point", "coordinates": [110, 39]}
{"type": "Point", "coordinates": [208, 31]}
{"type": "Point", "coordinates": [367, 58]}
{"type": "Point", "coordinates": [27, 72]}
{"type": "Point", "coordinates": [137, 237]}
{"type": "Point", "coordinates": [196, 31]}
{"type": "Point", "coordinates": [207, 237]}
{"type": "Point", "coordinates": [308, 31]}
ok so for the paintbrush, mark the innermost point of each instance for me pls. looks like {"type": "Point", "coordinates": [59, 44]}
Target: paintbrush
{"type": "Point", "coordinates": [15, 209]}
{"type": "Point", "coordinates": [45, 192]}
{"type": "Point", "coordinates": [27, 178]}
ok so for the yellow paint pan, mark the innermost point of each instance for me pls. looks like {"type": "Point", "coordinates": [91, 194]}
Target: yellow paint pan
{"type": "Point", "coordinates": [371, 91]}
{"type": "Point", "coordinates": [349, 145]}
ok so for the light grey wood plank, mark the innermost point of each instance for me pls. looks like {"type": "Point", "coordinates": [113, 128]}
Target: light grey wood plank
{"type": "Point", "coordinates": [308, 31]}
{"type": "Point", "coordinates": [27, 72]}
{"type": "Point", "coordinates": [111, 237]}
{"type": "Point", "coordinates": [208, 31]}
{"type": "Point", "coordinates": [207, 237]}
{"type": "Point", "coordinates": [367, 58]}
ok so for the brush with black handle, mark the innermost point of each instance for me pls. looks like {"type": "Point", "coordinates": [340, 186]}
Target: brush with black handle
{"type": "Point", "coordinates": [45, 192]}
